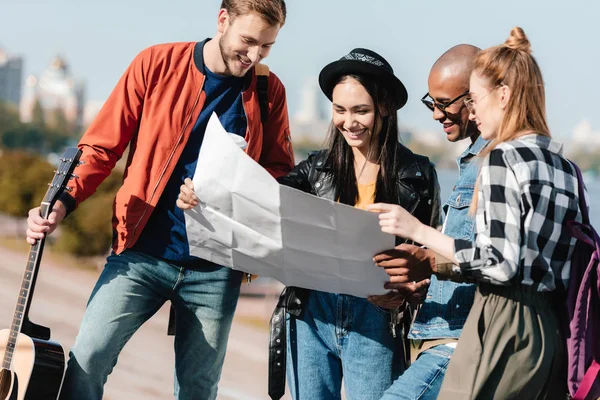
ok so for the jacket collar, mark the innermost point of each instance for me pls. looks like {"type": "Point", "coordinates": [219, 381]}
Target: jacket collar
{"type": "Point", "coordinates": [474, 149]}
{"type": "Point", "coordinates": [199, 56]}
{"type": "Point", "coordinates": [543, 142]}
{"type": "Point", "coordinates": [199, 63]}
{"type": "Point", "coordinates": [409, 167]}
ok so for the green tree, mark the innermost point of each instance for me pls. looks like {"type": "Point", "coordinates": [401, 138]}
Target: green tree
{"type": "Point", "coordinates": [586, 159]}
{"type": "Point", "coordinates": [24, 180]}
{"type": "Point", "coordinates": [32, 138]}
{"type": "Point", "coordinates": [24, 137]}
{"type": "Point", "coordinates": [56, 141]}
{"type": "Point", "coordinates": [60, 124]}
{"type": "Point", "coordinates": [38, 117]}
{"type": "Point", "coordinates": [88, 230]}
{"type": "Point", "coordinates": [9, 117]}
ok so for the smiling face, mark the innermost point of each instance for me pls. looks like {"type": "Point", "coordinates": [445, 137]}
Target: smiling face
{"type": "Point", "coordinates": [354, 114]}
{"type": "Point", "coordinates": [488, 105]}
{"type": "Point", "coordinates": [244, 41]}
{"type": "Point", "coordinates": [445, 86]}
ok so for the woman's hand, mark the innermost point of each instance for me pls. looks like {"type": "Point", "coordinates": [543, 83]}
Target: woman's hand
{"type": "Point", "coordinates": [187, 199]}
{"type": "Point", "coordinates": [396, 220]}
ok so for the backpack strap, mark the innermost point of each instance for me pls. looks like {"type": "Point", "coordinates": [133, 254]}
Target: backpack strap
{"type": "Point", "coordinates": [585, 216]}
{"type": "Point", "coordinates": [588, 382]}
{"type": "Point", "coordinates": [591, 377]}
{"type": "Point", "coordinates": [262, 88]}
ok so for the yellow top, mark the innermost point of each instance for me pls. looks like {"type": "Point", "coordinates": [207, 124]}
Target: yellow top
{"type": "Point", "coordinates": [366, 195]}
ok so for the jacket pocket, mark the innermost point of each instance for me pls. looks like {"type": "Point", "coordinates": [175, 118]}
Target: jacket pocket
{"type": "Point", "coordinates": [458, 223]}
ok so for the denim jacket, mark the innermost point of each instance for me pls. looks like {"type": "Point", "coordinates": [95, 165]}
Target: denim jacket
{"type": "Point", "coordinates": [447, 305]}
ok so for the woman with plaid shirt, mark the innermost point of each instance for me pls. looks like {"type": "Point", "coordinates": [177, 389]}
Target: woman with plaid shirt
{"type": "Point", "coordinates": [511, 345]}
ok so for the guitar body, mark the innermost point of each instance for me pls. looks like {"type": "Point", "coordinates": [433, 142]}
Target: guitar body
{"type": "Point", "coordinates": [38, 369]}
{"type": "Point", "coordinates": [33, 367]}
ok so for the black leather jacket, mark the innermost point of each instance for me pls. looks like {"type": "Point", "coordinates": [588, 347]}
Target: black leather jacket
{"type": "Point", "coordinates": [418, 192]}
{"type": "Point", "coordinates": [418, 187]}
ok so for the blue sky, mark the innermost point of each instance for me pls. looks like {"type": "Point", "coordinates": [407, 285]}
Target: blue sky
{"type": "Point", "coordinates": [99, 39]}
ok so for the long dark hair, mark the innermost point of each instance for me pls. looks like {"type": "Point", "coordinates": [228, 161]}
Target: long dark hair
{"type": "Point", "coordinates": [340, 158]}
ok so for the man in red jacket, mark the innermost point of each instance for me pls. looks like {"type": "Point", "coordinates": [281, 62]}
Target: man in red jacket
{"type": "Point", "coordinates": [160, 108]}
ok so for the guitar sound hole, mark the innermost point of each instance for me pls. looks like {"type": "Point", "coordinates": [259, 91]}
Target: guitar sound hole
{"type": "Point", "coordinates": [5, 383]}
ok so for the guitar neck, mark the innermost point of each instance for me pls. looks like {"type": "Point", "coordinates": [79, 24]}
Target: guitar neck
{"type": "Point", "coordinates": [25, 293]}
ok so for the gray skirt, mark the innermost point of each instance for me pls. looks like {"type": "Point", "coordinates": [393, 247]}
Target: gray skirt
{"type": "Point", "coordinates": [511, 347]}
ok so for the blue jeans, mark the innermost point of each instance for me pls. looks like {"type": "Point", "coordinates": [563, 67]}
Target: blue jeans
{"type": "Point", "coordinates": [423, 379]}
{"type": "Point", "coordinates": [130, 290]}
{"type": "Point", "coordinates": [340, 336]}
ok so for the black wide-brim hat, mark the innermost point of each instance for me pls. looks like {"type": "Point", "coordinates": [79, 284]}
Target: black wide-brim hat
{"type": "Point", "coordinates": [363, 62]}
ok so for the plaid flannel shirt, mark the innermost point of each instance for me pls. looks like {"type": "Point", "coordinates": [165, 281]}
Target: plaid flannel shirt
{"type": "Point", "coordinates": [526, 193]}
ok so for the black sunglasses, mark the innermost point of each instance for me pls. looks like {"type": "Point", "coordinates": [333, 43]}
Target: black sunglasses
{"type": "Point", "coordinates": [431, 104]}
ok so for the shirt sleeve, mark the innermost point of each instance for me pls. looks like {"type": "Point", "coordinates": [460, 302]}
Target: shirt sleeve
{"type": "Point", "coordinates": [494, 255]}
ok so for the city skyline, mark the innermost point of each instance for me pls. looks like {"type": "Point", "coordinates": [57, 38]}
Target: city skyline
{"type": "Point", "coordinates": [99, 41]}
{"type": "Point", "coordinates": [11, 75]}
{"type": "Point", "coordinates": [55, 90]}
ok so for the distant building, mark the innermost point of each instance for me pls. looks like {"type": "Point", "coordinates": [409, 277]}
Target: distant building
{"type": "Point", "coordinates": [309, 124]}
{"type": "Point", "coordinates": [585, 137]}
{"type": "Point", "coordinates": [311, 104]}
{"type": "Point", "coordinates": [58, 94]}
{"type": "Point", "coordinates": [11, 75]}
{"type": "Point", "coordinates": [91, 109]}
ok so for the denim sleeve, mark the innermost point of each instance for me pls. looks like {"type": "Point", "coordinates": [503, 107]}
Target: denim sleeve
{"type": "Point", "coordinates": [436, 203]}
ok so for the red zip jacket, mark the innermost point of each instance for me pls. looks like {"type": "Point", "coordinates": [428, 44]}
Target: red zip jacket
{"type": "Point", "coordinates": [153, 109]}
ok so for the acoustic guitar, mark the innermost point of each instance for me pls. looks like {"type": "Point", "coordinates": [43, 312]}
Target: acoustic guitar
{"type": "Point", "coordinates": [33, 366]}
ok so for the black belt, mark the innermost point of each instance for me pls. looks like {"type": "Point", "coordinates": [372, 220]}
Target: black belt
{"type": "Point", "coordinates": [291, 301]}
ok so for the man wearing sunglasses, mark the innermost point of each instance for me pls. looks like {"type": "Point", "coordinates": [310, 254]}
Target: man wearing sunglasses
{"type": "Point", "coordinates": [440, 319]}
{"type": "Point", "coordinates": [450, 112]}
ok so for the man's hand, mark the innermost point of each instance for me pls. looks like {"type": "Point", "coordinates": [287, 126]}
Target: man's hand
{"type": "Point", "coordinates": [187, 199]}
{"type": "Point", "coordinates": [38, 227]}
{"type": "Point", "coordinates": [413, 292]}
{"type": "Point", "coordinates": [391, 300]}
{"type": "Point", "coordinates": [405, 264]}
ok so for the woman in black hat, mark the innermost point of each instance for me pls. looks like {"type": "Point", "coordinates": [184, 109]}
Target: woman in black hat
{"type": "Point", "coordinates": [334, 336]}
{"type": "Point", "coordinates": [339, 336]}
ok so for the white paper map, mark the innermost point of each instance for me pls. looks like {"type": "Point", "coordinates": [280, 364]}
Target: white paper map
{"type": "Point", "coordinates": [247, 221]}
